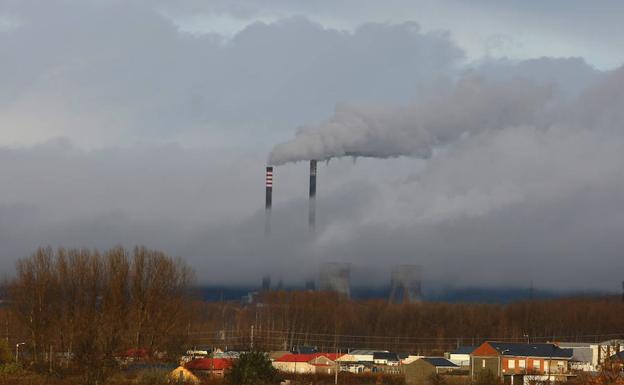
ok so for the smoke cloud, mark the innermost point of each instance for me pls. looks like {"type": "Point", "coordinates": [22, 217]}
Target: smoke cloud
{"type": "Point", "coordinates": [441, 117]}
{"type": "Point", "coordinates": [495, 170]}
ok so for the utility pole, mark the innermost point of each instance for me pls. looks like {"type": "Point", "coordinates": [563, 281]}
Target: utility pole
{"type": "Point", "coordinates": [251, 347]}
{"type": "Point", "coordinates": [337, 369]}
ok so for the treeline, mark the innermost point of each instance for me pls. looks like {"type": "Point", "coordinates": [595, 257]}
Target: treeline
{"type": "Point", "coordinates": [85, 307]}
{"type": "Point", "coordinates": [284, 320]}
{"type": "Point", "coordinates": [88, 306]}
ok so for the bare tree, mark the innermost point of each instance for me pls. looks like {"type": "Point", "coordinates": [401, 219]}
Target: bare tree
{"type": "Point", "coordinates": [92, 306]}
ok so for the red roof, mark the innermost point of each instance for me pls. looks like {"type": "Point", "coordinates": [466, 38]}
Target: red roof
{"type": "Point", "coordinates": [137, 353]}
{"type": "Point", "coordinates": [209, 364]}
{"type": "Point", "coordinates": [307, 357]}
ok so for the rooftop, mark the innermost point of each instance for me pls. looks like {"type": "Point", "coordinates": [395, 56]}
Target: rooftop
{"type": "Point", "coordinates": [385, 356]}
{"type": "Point", "coordinates": [292, 357]}
{"type": "Point", "coordinates": [531, 350]}
{"type": "Point", "coordinates": [440, 362]}
{"type": "Point", "coordinates": [465, 349]}
{"type": "Point", "coordinates": [209, 364]}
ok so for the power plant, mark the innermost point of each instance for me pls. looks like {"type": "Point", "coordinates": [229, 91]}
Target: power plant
{"type": "Point", "coordinates": [336, 277]}
{"type": "Point", "coordinates": [406, 284]}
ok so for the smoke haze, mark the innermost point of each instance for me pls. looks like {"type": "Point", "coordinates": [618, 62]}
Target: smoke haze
{"type": "Point", "coordinates": [150, 123]}
{"type": "Point", "coordinates": [474, 104]}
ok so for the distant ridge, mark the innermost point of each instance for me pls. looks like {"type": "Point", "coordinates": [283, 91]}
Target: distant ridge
{"type": "Point", "coordinates": [502, 295]}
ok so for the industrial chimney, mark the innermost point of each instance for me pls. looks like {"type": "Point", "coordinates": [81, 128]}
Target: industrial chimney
{"type": "Point", "coordinates": [268, 199]}
{"type": "Point", "coordinates": [312, 202]}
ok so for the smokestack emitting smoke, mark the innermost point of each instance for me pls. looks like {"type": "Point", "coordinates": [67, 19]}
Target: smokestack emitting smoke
{"type": "Point", "coordinates": [443, 116]}
{"type": "Point", "coordinates": [268, 198]}
{"type": "Point", "coordinates": [312, 201]}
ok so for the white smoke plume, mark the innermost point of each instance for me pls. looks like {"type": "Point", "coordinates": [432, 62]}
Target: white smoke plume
{"type": "Point", "coordinates": [441, 117]}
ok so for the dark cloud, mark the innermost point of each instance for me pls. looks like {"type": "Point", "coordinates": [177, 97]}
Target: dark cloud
{"type": "Point", "coordinates": [104, 72]}
{"type": "Point", "coordinates": [166, 136]}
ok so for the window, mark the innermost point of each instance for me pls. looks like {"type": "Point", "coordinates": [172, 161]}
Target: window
{"type": "Point", "coordinates": [522, 364]}
{"type": "Point", "coordinates": [483, 363]}
{"type": "Point", "coordinates": [511, 364]}
{"type": "Point", "coordinates": [536, 364]}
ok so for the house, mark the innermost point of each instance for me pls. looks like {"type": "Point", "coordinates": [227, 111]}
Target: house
{"type": "Point", "coordinates": [617, 361]}
{"type": "Point", "coordinates": [183, 375]}
{"type": "Point", "coordinates": [409, 359]}
{"type": "Point", "coordinates": [196, 352]}
{"type": "Point", "coordinates": [357, 361]}
{"type": "Point", "coordinates": [362, 355]}
{"type": "Point", "coordinates": [419, 371]}
{"type": "Point", "coordinates": [606, 350]}
{"type": "Point", "coordinates": [590, 357]}
{"type": "Point", "coordinates": [584, 356]}
{"type": "Point", "coordinates": [232, 355]}
{"type": "Point", "coordinates": [461, 355]}
{"type": "Point", "coordinates": [386, 358]}
{"type": "Point", "coordinates": [305, 350]}
{"type": "Point", "coordinates": [356, 367]}
{"type": "Point", "coordinates": [209, 366]}
{"type": "Point", "coordinates": [320, 363]}
{"type": "Point", "coordinates": [134, 355]}
{"type": "Point", "coordinates": [514, 360]}
{"type": "Point", "coordinates": [277, 354]}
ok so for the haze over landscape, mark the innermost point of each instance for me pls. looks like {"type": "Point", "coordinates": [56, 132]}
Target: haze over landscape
{"type": "Point", "coordinates": [490, 152]}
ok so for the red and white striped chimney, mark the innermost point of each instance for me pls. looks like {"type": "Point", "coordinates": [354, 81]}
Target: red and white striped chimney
{"type": "Point", "coordinates": [268, 182]}
{"type": "Point", "coordinates": [269, 187]}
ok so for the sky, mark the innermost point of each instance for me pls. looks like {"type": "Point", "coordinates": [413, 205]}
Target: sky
{"type": "Point", "coordinates": [480, 139]}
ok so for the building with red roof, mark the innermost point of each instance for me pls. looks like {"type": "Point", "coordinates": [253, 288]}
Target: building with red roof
{"type": "Point", "coordinates": [209, 366]}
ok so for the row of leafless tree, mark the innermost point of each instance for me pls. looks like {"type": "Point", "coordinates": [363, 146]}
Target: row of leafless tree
{"type": "Point", "coordinates": [283, 320]}
{"type": "Point", "coordinates": [90, 306]}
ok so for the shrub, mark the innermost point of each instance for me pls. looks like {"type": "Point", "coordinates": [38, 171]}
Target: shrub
{"type": "Point", "coordinates": [252, 369]}
{"type": "Point", "coordinates": [6, 354]}
{"type": "Point", "coordinates": [10, 369]}
{"type": "Point", "coordinates": [152, 377]}
{"type": "Point", "coordinates": [486, 377]}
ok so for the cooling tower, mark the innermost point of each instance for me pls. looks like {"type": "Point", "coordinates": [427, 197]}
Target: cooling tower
{"type": "Point", "coordinates": [310, 285]}
{"type": "Point", "coordinates": [266, 283]}
{"type": "Point", "coordinates": [312, 200]}
{"type": "Point", "coordinates": [336, 277]}
{"type": "Point", "coordinates": [406, 284]}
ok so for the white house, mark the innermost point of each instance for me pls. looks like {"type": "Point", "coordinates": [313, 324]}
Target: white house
{"type": "Point", "coordinates": [361, 355]}
{"type": "Point", "coordinates": [461, 355]}
{"type": "Point", "coordinates": [307, 363]}
{"type": "Point", "coordinates": [589, 357]}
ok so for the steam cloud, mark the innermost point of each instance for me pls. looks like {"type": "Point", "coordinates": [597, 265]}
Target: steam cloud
{"type": "Point", "coordinates": [441, 117]}
{"type": "Point", "coordinates": [166, 131]}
